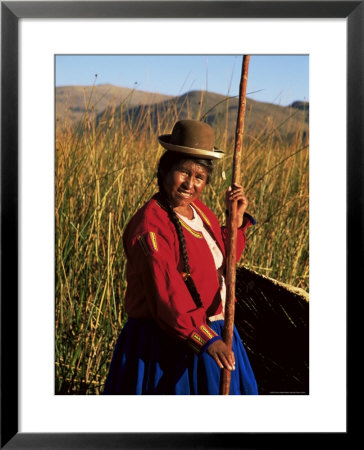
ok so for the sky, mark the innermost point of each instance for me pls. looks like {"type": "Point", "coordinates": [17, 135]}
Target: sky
{"type": "Point", "coordinates": [280, 79]}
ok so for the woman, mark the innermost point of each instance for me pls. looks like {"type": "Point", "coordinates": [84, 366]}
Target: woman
{"type": "Point", "coordinates": [175, 248]}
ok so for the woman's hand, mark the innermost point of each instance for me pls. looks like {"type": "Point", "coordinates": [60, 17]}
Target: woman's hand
{"type": "Point", "coordinates": [237, 193]}
{"type": "Point", "coordinates": [224, 357]}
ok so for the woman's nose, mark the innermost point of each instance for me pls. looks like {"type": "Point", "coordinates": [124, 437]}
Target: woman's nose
{"type": "Point", "coordinates": [188, 182]}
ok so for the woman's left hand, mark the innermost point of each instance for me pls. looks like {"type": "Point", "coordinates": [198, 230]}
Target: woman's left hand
{"type": "Point", "coordinates": [237, 193]}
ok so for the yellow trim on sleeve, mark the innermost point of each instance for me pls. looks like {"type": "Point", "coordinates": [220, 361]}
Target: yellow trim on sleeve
{"type": "Point", "coordinates": [153, 238]}
{"type": "Point", "coordinates": [198, 339]}
{"type": "Point", "coordinates": [207, 332]}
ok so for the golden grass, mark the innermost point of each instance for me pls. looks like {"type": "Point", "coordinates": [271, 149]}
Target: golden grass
{"type": "Point", "coordinates": [104, 174]}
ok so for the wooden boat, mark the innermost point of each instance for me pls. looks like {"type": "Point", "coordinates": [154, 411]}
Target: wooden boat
{"type": "Point", "coordinates": [272, 319]}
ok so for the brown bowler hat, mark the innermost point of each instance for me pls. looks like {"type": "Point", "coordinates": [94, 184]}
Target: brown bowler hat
{"type": "Point", "coordinates": [193, 138]}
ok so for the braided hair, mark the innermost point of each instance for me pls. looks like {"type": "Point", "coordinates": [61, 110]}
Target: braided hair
{"type": "Point", "coordinates": [167, 162]}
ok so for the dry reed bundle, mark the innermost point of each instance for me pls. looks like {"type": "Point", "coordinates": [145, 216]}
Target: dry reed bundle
{"type": "Point", "coordinates": [272, 319]}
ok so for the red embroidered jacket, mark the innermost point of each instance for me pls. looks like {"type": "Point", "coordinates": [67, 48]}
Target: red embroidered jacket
{"type": "Point", "coordinates": [156, 287]}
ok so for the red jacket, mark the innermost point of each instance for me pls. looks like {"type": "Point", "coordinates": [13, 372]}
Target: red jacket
{"type": "Point", "coordinates": [156, 287]}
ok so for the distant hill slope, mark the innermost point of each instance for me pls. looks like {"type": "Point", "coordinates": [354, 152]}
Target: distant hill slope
{"type": "Point", "coordinates": [138, 109]}
{"type": "Point", "coordinates": [73, 101]}
{"type": "Point", "coordinates": [217, 110]}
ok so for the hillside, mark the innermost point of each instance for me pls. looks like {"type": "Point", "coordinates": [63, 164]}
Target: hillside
{"type": "Point", "coordinates": [217, 110]}
{"type": "Point", "coordinates": [110, 104]}
{"type": "Point", "coordinates": [73, 101]}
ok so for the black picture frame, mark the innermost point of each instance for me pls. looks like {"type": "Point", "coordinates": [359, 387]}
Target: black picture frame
{"type": "Point", "coordinates": [11, 12]}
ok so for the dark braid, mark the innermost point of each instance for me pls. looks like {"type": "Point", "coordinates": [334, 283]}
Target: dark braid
{"type": "Point", "coordinates": [183, 250]}
{"type": "Point", "coordinates": [166, 163]}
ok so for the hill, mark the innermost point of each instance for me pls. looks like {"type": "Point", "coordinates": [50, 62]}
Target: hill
{"type": "Point", "coordinates": [139, 109]}
{"type": "Point", "coordinates": [217, 110]}
{"type": "Point", "coordinates": [73, 101]}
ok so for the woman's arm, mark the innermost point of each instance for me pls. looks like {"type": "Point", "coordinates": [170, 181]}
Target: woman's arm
{"type": "Point", "coordinates": [160, 285]}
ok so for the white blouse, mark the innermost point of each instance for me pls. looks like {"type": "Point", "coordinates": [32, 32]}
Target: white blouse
{"type": "Point", "coordinates": [197, 224]}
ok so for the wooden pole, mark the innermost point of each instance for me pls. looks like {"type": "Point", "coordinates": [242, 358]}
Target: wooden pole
{"type": "Point", "coordinates": [231, 251]}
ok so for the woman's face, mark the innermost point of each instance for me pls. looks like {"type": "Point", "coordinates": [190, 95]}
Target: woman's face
{"type": "Point", "coordinates": [185, 182]}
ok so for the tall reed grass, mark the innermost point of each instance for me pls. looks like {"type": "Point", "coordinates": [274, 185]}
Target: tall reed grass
{"type": "Point", "coordinates": [104, 172]}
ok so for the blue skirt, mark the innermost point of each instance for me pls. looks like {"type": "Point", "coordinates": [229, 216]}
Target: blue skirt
{"type": "Point", "coordinates": [147, 361]}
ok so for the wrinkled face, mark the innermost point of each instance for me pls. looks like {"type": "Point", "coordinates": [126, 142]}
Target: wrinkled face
{"type": "Point", "coordinates": [184, 183]}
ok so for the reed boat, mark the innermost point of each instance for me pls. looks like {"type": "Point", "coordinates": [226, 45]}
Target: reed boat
{"type": "Point", "coordinates": [272, 319]}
